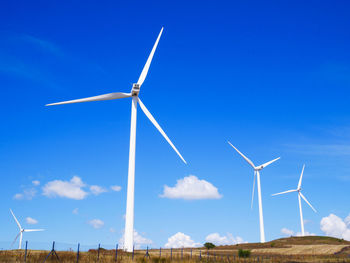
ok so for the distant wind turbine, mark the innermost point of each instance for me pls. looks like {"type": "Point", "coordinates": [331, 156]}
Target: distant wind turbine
{"type": "Point", "coordinates": [21, 230]}
{"type": "Point", "coordinates": [298, 190]}
{"type": "Point", "coordinates": [257, 175]}
{"type": "Point", "coordinates": [134, 94]}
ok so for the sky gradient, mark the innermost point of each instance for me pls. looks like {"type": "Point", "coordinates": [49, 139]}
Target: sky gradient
{"type": "Point", "coordinates": [272, 77]}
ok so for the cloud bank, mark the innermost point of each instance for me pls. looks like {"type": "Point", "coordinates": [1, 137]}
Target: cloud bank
{"type": "Point", "coordinates": [287, 232]}
{"type": "Point", "coordinates": [75, 189]}
{"type": "Point", "coordinates": [72, 189]}
{"type": "Point", "coordinates": [96, 223]}
{"type": "Point", "coordinates": [139, 240]}
{"type": "Point", "coordinates": [191, 188]}
{"type": "Point", "coordinates": [31, 221]}
{"type": "Point", "coordinates": [218, 240]}
{"type": "Point", "coordinates": [180, 240]}
{"type": "Point", "coordinates": [334, 226]}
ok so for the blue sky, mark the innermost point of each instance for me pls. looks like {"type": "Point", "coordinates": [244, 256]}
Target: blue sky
{"type": "Point", "coordinates": [272, 77]}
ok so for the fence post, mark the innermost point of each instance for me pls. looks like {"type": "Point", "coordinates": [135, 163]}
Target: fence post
{"type": "Point", "coordinates": [200, 254]}
{"type": "Point", "coordinates": [78, 252]}
{"type": "Point", "coordinates": [160, 252]}
{"type": "Point", "coordinates": [116, 252]}
{"type": "Point", "coordinates": [182, 253]}
{"type": "Point", "coordinates": [171, 253]}
{"type": "Point", "coordinates": [98, 253]}
{"type": "Point", "coordinates": [191, 253]}
{"type": "Point", "coordinates": [25, 253]}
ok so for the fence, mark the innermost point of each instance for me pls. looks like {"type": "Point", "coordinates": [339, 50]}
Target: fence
{"type": "Point", "coordinates": [161, 255]}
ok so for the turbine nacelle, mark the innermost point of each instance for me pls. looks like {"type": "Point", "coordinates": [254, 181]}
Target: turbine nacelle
{"type": "Point", "coordinates": [135, 89]}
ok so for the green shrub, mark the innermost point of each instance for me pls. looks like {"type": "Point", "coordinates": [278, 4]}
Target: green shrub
{"type": "Point", "coordinates": [242, 253]}
{"type": "Point", "coordinates": [209, 245]}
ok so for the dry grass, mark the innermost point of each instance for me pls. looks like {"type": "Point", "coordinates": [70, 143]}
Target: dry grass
{"type": "Point", "coordinates": [301, 249]}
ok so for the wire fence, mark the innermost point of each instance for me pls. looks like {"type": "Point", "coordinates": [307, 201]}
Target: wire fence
{"type": "Point", "coordinates": [68, 253]}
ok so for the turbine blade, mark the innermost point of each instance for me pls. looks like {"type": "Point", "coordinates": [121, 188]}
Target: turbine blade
{"type": "Point", "coordinates": [245, 158]}
{"type": "Point", "coordinates": [149, 60]}
{"type": "Point", "coordinates": [14, 241]}
{"type": "Point", "coordinates": [251, 205]}
{"type": "Point", "coordinates": [150, 117]}
{"type": "Point", "coordinates": [270, 162]}
{"type": "Point", "coordinates": [281, 193]}
{"type": "Point", "coordinates": [108, 96]}
{"type": "Point", "coordinates": [18, 224]}
{"type": "Point", "coordinates": [301, 177]}
{"type": "Point", "coordinates": [307, 202]}
{"type": "Point", "coordinates": [33, 230]}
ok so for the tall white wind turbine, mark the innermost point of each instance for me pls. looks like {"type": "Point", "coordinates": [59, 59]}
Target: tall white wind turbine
{"type": "Point", "coordinates": [300, 195]}
{"type": "Point", "coordinates": [21, 231]}
{"type": "Point", "coordinates": [134, 94]}
{"type": "Point", "coordinates": [257, 170]}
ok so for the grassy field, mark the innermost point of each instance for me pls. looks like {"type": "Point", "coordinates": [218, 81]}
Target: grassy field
{"type": "Point", "coordinates": [294, 249]}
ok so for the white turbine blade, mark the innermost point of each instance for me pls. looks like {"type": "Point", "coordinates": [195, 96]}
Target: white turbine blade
{"type": "Point", "coordinates": [270, 162]}
{"type": "Point", "coordinates": [245, 158]}
{"type": "Point", "coordinates": [150, 117]}
{"type": "Point", "coordinates": [281, 193]}
{"type": "Point", "coordinates": [33, 230]}
{"type": "Point", "coordinates": [109, 96]}
{"type": "Point", "coordinates": [307, 202]}
{"type": "Point", "coordinates": [14, 241]}
{"type": "Point", "coordinates": [301, 177]}
{"type": "Point", "coordinates": [18, 224]}
{"type": "Point", "coordinates": [251, 205]}
{"type": "Point", "coordinates": [148, 62]}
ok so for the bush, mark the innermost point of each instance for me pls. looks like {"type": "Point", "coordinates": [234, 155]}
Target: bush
{"type": "Point", "coordinates": [209, 245]}
{"type": "Point", "coordinates": [244, 253]}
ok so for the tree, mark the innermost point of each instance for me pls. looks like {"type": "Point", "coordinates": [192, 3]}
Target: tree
{"type": "Point", "coordinates": [209, 245]}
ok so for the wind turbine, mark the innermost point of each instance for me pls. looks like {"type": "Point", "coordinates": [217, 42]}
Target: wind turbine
{"type": "Point", "coordinates": [21, 230]}
{"type": "Point", "coordinates": [298, 190]}
{"type": "Point", "coordinates": [134, 94]}
{"type": "Point", "coordinates": [257, 170]}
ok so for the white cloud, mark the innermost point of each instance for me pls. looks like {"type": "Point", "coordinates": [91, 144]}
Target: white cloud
{"type": "Point", "coordinates": [288, 232]}
{"type": "Point", "coordinates": [27, 194]}
{"type": "Point", "coordinates": [180, 240]}
{"type": "Point", "coordinates": [116, 188]}
{"type": "Point", "coordinates": [69, 189]}
{"type": "Point", "coordinates": [96, 223]}
{"type": "Point", "coordinates": [139, 240]}
{"type": "Point", "coordinates": [334, 226]}
{"type": "Point", "coordinates": [96, 190]}
{"type": "Point", "coordinates": [36, 182]}
{"type": "Point", "coordinates": [218, 240]}
{"type": "Point", "coordinates": [75, 211]}
{"type": "Point", "coordinates": [191, 188]}
{"type": "Point", "coordinates": [31, 221]}
{"type": "Point", "coordinates": [18, 196]}
{"type": "Point", "coordinates": [112, 230]}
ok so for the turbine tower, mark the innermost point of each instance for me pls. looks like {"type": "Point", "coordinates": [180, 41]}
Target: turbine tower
{"type": "Point", "coordinates": [300, 195]}
{"type": "Point", "coordinates": [257, 170]}
{"type": "Point", "coordinates": [21, 231]}
{"type": "Point", "coordinates": [134, 94]}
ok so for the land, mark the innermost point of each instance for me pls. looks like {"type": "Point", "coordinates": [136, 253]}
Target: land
{"type": "Point", "coordinates": [293, 249]}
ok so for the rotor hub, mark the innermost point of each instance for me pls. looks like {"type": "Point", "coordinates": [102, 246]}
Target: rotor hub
{"type": "Point", "coordinates": [135, 89]}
